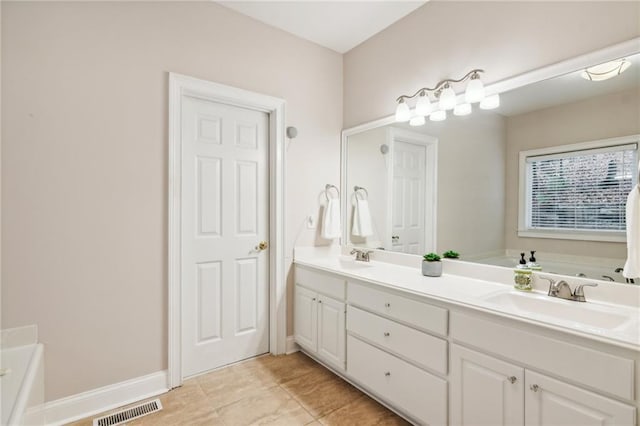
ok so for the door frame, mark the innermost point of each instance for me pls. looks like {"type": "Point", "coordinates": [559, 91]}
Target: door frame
{"type": "Point", "coordinates": [179, 86]}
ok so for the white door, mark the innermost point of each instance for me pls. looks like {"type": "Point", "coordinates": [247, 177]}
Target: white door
{"type": "Point", "coordinates": [552, 402]}
{"type": "Point", "coordinates": [225, 205]}
{"type": "Point", "coordinates": [408, 200]}
{"type": "Point", "coordinates": [485, 390]}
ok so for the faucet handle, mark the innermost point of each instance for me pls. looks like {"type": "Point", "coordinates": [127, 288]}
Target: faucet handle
{"type": "Point", "coordinates": [578, 293]}
{"type": "Point", "coordinates": [552, 285]}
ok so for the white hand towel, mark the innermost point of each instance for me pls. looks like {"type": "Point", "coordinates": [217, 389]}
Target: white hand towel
{"type": "Point", "coordinates": [331, 227]}
{"type": "Point", "coordinates": [362, 226]}
{"type": "Point", "coordinates": [632, 266]}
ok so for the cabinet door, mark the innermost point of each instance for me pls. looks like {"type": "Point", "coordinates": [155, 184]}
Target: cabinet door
{"type": "Point", "coordinates": [485, 390]}
{"type": "Point", "coordinates": [331, 331]}
{"type": "Point", "coordinates": [552, 402]}
{"type": "Point", "coordinates": [305, 318]}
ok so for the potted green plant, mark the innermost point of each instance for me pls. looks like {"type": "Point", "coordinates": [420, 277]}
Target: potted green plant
{"type": "Point", "coordinates": [450, 254]}
{"type": "Point", "coordinates": [431, 265]}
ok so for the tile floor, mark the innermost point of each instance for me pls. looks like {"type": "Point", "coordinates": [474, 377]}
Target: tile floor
{"type": "Point", "coordinates": [284, 390]}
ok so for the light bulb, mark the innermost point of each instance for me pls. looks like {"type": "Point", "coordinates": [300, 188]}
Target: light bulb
{"type": "Point", "coordinates": [418, 120]}
{"type": "Point", "coordinates": [423, 106]}
{"type": "Point", "coordinates": [403, 113]}
{"type": "Point", "coordinates": [462, 109]}
{"type": "Point", "coordinates": [439, 115]}
{"type": "Point", "coordinates": [490, 102]}
{"type": "Point", "coordinates": [475, 91]}
{"type": "Point", "coordinates": [447, 98]}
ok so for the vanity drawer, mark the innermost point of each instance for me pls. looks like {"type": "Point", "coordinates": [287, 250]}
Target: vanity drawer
{"type": "Point", "coordinates": [413, 391]}
{"type": "Point", "coordinates": [321, 282]}
{"type": "Point", "coordinates": [421, 348]}
{"type": "Point", "coordinates": [417, 314]}
{"type": "Point", "coordinates": [600, 370]}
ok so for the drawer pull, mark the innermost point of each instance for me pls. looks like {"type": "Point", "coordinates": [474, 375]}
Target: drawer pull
{"type": "Point", "coordinates": [386, 334]}
{"type": "Point", "coordinates": [512, 379]}
{"type": "Point", "coordinates": [535, 388]}
{"type": "Point", "coordinates": [387, 374]}
{"type": "Point", "coordinates": [387, 305]}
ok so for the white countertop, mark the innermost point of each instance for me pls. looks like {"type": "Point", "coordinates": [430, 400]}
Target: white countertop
{"type": "Point", "coordinates": [612, 323]}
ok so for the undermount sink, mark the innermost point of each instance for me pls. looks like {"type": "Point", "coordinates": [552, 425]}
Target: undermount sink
{"type": "Point", "coordinates": [587, 314]}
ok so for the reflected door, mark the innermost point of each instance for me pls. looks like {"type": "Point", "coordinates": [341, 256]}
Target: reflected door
{"type": "Point", "coordinates": [224, 218]}
{"type": "Point", "coordinates": [408, 197]}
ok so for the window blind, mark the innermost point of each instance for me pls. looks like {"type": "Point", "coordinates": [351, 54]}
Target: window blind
{"type": "Point", "coordinates": [581, 190]}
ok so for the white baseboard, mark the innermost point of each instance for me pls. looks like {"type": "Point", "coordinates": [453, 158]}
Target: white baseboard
{"type": "Point", "coordinates": [292, 346]}
{"type": "Point", "coordinates": [86, 404]}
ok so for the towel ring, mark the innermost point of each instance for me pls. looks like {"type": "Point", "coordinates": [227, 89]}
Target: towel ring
{"type": "Point", "coordinates": [360, 188]}
{"type": "Point", "coordinates": [328, 187]}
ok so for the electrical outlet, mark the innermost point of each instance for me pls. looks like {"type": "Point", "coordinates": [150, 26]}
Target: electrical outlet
{"type": "Point", "coordinates": [311, 222]}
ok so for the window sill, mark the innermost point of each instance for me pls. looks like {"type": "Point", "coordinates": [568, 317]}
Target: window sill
{"type": "Point", "coordinates": [612, 237]}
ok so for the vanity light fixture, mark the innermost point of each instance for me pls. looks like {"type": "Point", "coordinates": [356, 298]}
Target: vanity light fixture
{"type": "Point", "coordinates": [445, 100]}
{"type": "Point", "coordinates": [490, 102]}
{"type": "Point", "coordinates": [605, 71]}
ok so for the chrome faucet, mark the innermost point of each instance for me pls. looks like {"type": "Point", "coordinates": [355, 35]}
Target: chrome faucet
{"type": "Point", "coordinates": [361, 256]}
{"type": "Point", "coordinates": [562, 290]}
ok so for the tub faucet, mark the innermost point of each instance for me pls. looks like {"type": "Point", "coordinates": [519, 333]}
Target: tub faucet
{"type": "Point", "coordinates": [562, 290]}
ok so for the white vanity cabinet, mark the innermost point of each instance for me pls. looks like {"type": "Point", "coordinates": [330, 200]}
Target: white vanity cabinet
{"type": "Point", "coordinates": [319, 316]}
{"type": "Point", "coordinates": [393, 353]}
{"type": "Point", "coordinates": [488, 390]}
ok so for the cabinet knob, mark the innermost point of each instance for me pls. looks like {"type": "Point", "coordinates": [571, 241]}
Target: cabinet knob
{"type": "Point", "coordinates": [387, 305]}
{"type": "Point", "coordinates": [387, 374]}
{"type": "Point", "coordinates": [319, 301]}
{"type": "Point", "coordinates": [535, 388]}
{"type": "Point", "coordinates": [313, 300]}
{"type": "Point", "coordinates": [512, 379]}
{"type": "Point", "coordinates": [386, 334]}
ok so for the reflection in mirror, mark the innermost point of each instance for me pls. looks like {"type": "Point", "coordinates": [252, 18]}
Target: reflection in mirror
{"type": "Point", "coordinates": [460, 184]}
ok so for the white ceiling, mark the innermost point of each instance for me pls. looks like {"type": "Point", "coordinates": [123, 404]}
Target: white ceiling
{"type": "Point", "coordinates": [338, 25]}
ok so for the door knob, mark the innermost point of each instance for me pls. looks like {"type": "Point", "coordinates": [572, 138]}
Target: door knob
{"type": "Point", "coordinates": [262, 246]}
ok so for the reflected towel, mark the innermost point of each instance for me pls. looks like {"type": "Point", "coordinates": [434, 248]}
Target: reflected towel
{"type": "Point", "coordinates": [632, 266]}
{"type": "Point", "coordinates": [362, 226]}
{"type": "Point", "coordinates": [331, 227]}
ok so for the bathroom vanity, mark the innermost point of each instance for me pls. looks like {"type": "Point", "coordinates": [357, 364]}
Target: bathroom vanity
{"type": "Point", "coordinates": [465, 348]}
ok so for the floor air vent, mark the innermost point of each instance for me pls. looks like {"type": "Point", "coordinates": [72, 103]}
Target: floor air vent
{"type": "Point", "coordinates": [129, 414]}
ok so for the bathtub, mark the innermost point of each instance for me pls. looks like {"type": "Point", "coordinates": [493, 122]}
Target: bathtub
{"type": "Point", "coordinates": [22, 380]}
{"type": "Point", "coordinates": [594, 268]}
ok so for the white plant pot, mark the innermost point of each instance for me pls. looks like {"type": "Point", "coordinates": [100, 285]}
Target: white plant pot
{"type": "Point", "coordinates": [431, 269]}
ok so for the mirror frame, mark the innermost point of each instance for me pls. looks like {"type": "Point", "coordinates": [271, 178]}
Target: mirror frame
{"type": "Point", "coordinates": [570, 65]}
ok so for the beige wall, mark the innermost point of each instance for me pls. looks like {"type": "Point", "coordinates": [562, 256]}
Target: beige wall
{"type": "Point", "coordinates": [600, 117]}
{"type": "Point", "coordinates": [446, 39]}
{"type": "Point", "coordinates": [369, 168]}
{"type": "Point", "coordinates": [84, 165]}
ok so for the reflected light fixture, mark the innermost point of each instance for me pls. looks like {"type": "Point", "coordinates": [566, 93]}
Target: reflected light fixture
{"type": "Point", "coordinates": [417, 120]}
{"type": "Point", "coordinates": [438, 115]}
{"type": "Point", "coordinates": [445, 100]}
{"type": "Point", "coordinates": [462, 109]}
{"type": "Point", "coordinates": [490, 102]}
{"type": "Point", "coordinates": [605, 71]}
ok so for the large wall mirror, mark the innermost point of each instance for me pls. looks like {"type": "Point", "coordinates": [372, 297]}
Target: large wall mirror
{"type": "Point", "coordinates": [548, 171]}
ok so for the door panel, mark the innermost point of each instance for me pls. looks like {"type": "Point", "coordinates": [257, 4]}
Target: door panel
{"type": "Point", "coordinates": [225, 206]}
{"type": "Point", "coordinates": [408, 208]}
{"type": "Point", "coordinates": [485, 390]}
{"type": "Point", "coordinates": [552, 402]}
{"type": "Point", "coordinates": [331, 330]}
{"type": "Point", "coordinates": [305, 313]}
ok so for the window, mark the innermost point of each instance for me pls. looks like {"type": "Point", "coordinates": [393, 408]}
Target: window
{"type": "Point", "coordinates": [578, 191]}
